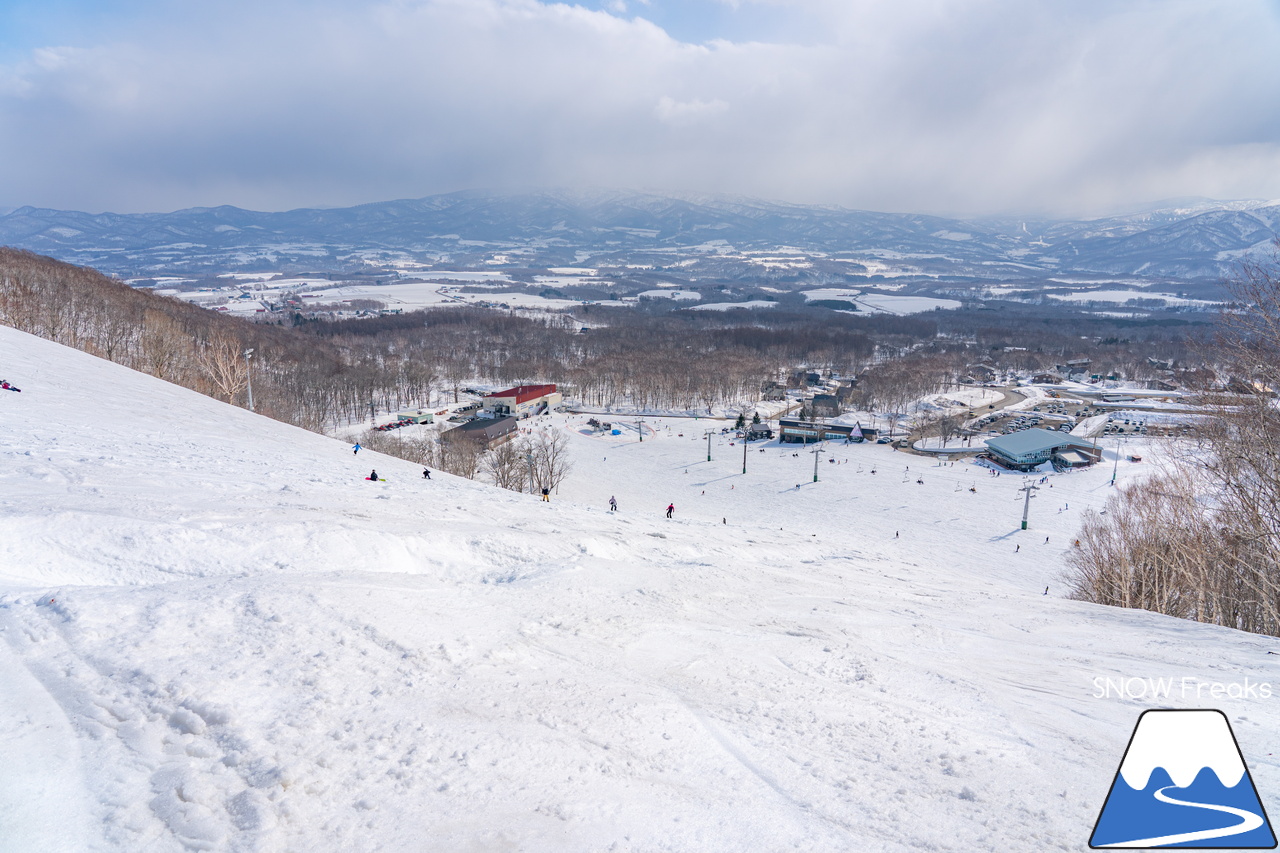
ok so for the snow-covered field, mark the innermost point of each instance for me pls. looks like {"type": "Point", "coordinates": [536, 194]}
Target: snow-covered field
{"type": "Point", "coordinates": [216, 635]}
{"type": "Point", "coordinates": [883, 303]}
{"type": "Point", "coordinates": [1122, 296]}
{"type": "Point", "coordinates": [888, 304]}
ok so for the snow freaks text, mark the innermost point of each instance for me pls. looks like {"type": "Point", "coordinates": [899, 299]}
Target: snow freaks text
{"type": "Point", "coordinates": [1178, 688]}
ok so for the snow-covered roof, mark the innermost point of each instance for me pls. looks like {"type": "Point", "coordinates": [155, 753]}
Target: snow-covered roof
{"type": "Point", "coordinates": [1028, 441]}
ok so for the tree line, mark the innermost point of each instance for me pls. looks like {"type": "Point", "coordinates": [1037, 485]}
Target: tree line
{"type": "Point", "coordinates": [298, 379]}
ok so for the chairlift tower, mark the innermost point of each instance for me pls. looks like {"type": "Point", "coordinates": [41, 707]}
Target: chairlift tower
{"type": "Point", "coordinates": [1026, 503]}
{"type": "Point", "coordinates": [248, 376]}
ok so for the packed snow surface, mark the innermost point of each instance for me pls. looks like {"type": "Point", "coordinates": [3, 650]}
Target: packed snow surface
{"type": "Point", "coordinates": [215, 634]}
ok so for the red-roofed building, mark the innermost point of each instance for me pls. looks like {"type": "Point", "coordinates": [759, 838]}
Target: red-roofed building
{"type": "Point", "coordinates": [522, 400]}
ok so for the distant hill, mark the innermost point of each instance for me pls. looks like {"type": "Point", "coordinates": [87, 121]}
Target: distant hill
{"type": "Point", "coordinates": [1188, 239]}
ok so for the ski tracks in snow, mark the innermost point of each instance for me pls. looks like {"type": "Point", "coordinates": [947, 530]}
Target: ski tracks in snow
{"type": "Point", "coordinates": [200, 758]}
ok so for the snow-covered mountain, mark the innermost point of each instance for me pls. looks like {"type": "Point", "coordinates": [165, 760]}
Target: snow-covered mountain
{"type": "Point", "coordinates": [1186, 239]}
{"type": "Point", "coordinates": [216, 635]}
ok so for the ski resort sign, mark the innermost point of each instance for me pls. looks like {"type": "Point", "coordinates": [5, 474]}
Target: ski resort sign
{"type": "Point", "coordinates": [1183, 782]}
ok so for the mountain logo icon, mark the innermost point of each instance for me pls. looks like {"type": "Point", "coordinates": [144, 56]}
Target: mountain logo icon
{"type": "Point", "coordinates": [1183, 783]}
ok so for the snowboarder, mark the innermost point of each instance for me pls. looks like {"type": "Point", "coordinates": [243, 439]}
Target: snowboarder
{"type": "Point", "coordinates": [613, 504]}
{"type": "Point", "coordinates": [426, 474]}
{"type": "Point", "coordinates": [355, 449]}
{"type": "Point", "coordinates": [546, 494]}
{"type": "Point", "coordinates": [671, 508]}
{"type": "Point", "coordinates": [1046, 591]}
{"type": "Point", "coordinates": [373, 475]}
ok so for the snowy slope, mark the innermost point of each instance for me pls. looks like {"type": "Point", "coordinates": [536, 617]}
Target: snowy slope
{"type": "Point", "coordinates": [214, 634]}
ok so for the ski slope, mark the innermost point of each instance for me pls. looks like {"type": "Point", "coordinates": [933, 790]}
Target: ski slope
{"type": "Point", "coordinates": [215, 635]}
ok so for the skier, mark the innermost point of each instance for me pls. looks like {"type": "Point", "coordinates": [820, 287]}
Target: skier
{"type": "Point", "coordinates": [1017, 548]}
{"type": "Point", "coordinates": [426, 474]}
{"type": "Point", "coordinates": [355, 449]}
{"type": "Point", "coordinates": [1046, 591]}
{"type": "Point", "coordinates": [373, 475]}
{"type": "Point", "coordinates": [613, 504]}
{"type": "Point", "coordinates": [895, 534]}
{"type": "Point", "coordinates": [7, 387]}
{"type": "Point", "coordinates": [671, 508]}
{"type": "Point", "coordinates": [1046, 540]}
{"type": "Point", "coordinates": [546, 494]}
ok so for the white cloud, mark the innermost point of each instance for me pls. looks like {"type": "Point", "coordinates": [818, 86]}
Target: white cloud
{"type": "Point", "coordinates": [928, 105]}
{"type": "Point", "coordinates": [681, 113]}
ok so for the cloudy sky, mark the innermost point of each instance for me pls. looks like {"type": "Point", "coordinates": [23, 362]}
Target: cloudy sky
{"type": "Point", "coordinates": [938, 106]}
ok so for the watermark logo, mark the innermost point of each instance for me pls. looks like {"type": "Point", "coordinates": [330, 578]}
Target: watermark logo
{"type": "Point", "coordinates": [1183, 783]}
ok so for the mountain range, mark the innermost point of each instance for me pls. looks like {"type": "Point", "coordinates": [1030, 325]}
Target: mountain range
{"type": "Point", "coordinates": [1181, 240]}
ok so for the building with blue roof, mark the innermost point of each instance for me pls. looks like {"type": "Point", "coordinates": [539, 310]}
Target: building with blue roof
{"type": "Point", "coordinates": [1025, 449]}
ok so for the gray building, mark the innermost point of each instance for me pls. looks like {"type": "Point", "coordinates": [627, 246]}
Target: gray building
{"type": "Point", "coordinates": [1025, 449]}
{"type": "Point", "coordinates": [825, 406]}
{"type": "Point", "coordinates": [802, 432]}
{"type": "Point", "coordinates": [487, 432]}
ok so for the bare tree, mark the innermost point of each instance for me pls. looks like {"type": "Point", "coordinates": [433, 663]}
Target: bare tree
{"type": "Point", "coordinates": [1203, 540]}
{"type": "Point", "coordinates": [550, 451]}
{"type": "Point", "coordinates": [221, 358]}
{"type": "Point", "coordinates": [507, 466]}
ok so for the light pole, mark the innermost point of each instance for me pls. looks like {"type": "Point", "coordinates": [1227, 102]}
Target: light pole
{"type": "Point", "coordinates": [816, 451]}
{"type": "Point", "coordinates": [709, 445]}
{"type": "Point", "coordinates": [1116, 465]}
{"type": "Point", "coordinates": [248, 376]}
{"type": "Point", "coordinates": [640, 429]}
{"type": "Point", "coordinates": [744, 455]}
{"type": "Point", "coordinates": [528, 457]}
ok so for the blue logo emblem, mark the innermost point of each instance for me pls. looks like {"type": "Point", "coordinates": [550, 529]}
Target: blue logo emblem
{"type": "Point", "coordinates": [1183, 783]}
